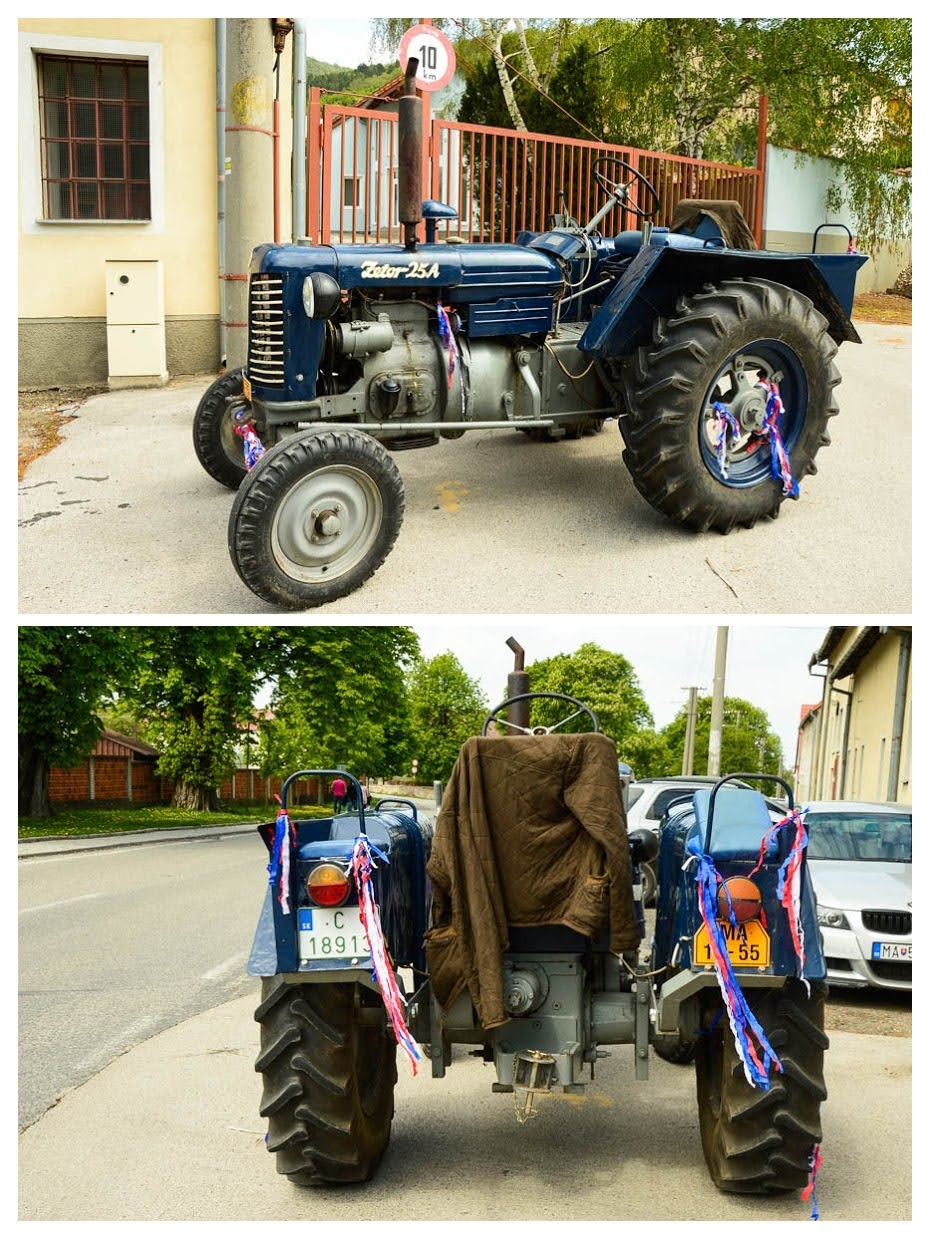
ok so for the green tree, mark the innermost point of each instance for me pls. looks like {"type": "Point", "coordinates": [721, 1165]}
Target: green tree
{"type": "Point", "coordinates": [195, 687]}
{"type": "Point", "coordinates": [446, 707]}
{"type": "Point", "coordinates": [340, 698]}
{"type": "Point", "coordinates": [749, 744]}
{"type": "Point", "coordinates": [603, 680]}
{"type": "Point", "coordinates": [65, 677]}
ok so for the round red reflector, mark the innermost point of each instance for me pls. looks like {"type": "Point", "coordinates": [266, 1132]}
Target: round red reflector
{"type": "Point", "coordinates": [744, 897]}
{"type": "Point", "coordinates": [328, 886]}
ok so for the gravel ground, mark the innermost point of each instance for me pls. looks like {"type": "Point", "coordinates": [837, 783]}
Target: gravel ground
{"type": "Point", "coordinates": [882, 1012]}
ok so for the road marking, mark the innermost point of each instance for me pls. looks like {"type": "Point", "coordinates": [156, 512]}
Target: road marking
{"type": "Point", "coordinates": [43, 907]}
{"type": "Point", "coordinates": [234, 961]}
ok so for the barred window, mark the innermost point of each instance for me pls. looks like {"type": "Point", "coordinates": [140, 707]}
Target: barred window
{"type": "Point", "coordinates": [94, 130]}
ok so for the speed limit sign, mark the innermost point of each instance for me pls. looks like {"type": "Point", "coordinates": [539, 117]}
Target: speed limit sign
{"type": "Point", "coordinates": [434, 53]}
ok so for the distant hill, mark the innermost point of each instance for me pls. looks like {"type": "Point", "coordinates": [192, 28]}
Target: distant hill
{"type": "Point", "coordinates": [362, 80]}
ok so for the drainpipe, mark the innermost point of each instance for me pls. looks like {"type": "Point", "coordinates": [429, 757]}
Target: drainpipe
{"type": "Point", "coordinates": [825, 732]}
{"type": "Point", "coordinates": [299, 137]}
{"type": "Point", "coordinates": [219, 30]}
{"type": "Point", "coordinates": [821, 728]}
{"type": "Point", "coordinates": [900, 701]}
{"type": "Point", "coordinates": [844, 756]}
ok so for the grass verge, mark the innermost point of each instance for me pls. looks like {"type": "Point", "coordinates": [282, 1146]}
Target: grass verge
{"type": "Point", "coordinates": [74, 823]}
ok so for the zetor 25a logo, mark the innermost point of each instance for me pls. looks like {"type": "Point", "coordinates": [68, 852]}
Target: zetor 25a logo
{"type": "Point", "coordinates": [412, 271]}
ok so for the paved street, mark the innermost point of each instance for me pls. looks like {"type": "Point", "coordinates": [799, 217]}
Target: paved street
{"type": "Point", "coordinates": [120, 519]}
{"type": "Point", "coordinates": [134, 1006]}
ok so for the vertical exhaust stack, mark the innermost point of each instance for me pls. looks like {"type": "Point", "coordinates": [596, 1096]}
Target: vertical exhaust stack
{"type": "Point", "coordinates": [410, 157]}
{"type": "Point", "coordinates": [518, 681]}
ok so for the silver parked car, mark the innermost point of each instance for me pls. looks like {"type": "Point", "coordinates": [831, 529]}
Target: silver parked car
{"type": "Point", "coordinates": [860, 863]}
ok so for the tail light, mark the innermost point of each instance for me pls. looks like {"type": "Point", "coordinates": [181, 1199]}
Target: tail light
{"type": "Point", "coordinates": [743, 896]}
{"type": "Point", "coordinates": [328, 885]}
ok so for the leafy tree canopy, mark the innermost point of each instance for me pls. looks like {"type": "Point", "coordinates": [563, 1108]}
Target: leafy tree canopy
{"type": "Point", "coordinates": [838, 88]}
{"type": "Point", "coordinates": [65, 677]}
{"type": "Point", "coordinates": [600, 678]}
{"type": "Point", "coordinates": [446, 707]}
{"type": "Point", "coordinates": [340, 698]}
{"type": "Point", "coordinates": [749, 744]}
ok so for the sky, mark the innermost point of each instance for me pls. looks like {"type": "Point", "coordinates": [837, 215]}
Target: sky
{"type": "Point", "coordinates": [341, 41]}
{"type": "Point", "coordinates": [766, 664]}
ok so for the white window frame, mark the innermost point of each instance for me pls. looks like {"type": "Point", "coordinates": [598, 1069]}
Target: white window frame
{"type": "Point", "coordinates": [31, 45]}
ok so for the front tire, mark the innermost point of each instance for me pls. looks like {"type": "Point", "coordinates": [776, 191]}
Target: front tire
{"type": "Point", "coordinates": [218, 447]}
{"type": "Point", "coordinates": [316, 517]}
{"type": "Point", "coordinates": [711, 350]}
{"type": "Point", "coordinates": [328, 1079]}
{"type": "Point", "coordinates": [754, 1141]}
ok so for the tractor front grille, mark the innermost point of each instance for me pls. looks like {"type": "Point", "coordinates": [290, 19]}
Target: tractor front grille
{"type": "Point", "coordinates": [266, 330]}
{"type": "Point", "coordinates": [878, 922]}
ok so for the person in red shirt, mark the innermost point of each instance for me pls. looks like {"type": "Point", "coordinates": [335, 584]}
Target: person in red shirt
{"type": "Point", "coordinates": [339, 790]}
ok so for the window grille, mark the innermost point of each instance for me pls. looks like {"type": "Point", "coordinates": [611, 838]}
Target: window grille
{"type": "Point", "coordinates": [94, 131]}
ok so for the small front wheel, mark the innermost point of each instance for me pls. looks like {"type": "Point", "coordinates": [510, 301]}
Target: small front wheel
{"type": "Point", "coordinates": [316, 517]}
{"type": "Point", "coordinates": [218, 447]}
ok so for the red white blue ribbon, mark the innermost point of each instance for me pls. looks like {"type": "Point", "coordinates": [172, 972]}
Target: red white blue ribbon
{"type": "Point", "coordinates": [448, 339]}
{"type": "Point", "coordinates": [789, 876]}
{"type": "Point", "coordinates": [771, 428]}
{"type": "Point", "coordinates": [252, 446]}
{"type": "Point", "coordinates": [361, 865]}
{"type": "Point", "coordinates": [810, 1192]}
{"type": "Point", "coordinates": [279, 867]}
{"type": "Point", "coordinates": [753, 1047]}
{"type": "Point", "coordinates": [727, 422]}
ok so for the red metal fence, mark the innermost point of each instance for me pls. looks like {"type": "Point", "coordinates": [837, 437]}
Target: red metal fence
{"type": "Point", "coordinates": [500, 181]}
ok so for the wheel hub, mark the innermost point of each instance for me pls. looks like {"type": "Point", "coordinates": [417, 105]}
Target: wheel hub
{"type": "Point", "coordinates": [326, 524]}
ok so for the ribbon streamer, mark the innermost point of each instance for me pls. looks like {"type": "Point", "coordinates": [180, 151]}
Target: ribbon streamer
{"type": "Point", "coordinates": [285, 837]}
{"type": "Point", "coordinates": [448, 339]}
{"type": "Point", "coordinates": [252, 446]}
{"type": "Point", "coordinates": [753, 1047]}
{"type": "Point", "coordinates": [361, 865]}
{"type": "Point", "coordinates": [727, 422]}
{"type": "Point", "coordinates": [789, 876]}
{"type": "Point", "coordinates": [810, 1192]}
{"type": "Point", "coordinates": [781, 465]}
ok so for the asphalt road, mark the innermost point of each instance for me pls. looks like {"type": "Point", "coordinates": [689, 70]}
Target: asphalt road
{"type": "Point", "coordinates": [120, 519]}
{"type": "Point", "coordinates": [134, 1006]}
{"type": "Point", "coordinates": [119, 944]}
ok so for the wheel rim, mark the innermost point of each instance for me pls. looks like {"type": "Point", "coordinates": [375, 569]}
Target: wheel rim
{"type": "Point", "coordinates": [748, 455]}
{"type": "Point", "coordinates": [326, 524]}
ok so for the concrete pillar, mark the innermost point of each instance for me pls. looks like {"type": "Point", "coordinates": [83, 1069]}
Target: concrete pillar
{"type": "Point", "coordinates": [250, 94]}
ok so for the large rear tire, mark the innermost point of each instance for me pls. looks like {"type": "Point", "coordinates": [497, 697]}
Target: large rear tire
{"type": "Point", "coordinates": [711, 351]}
{"type": "Point", "coordinates": [218, 447]}
{"type": "Point", "coordinates": [754, 1141]}
{"type": "Point", "coordinates": [316, 517]}
{"type": "Point", "coordinates": [328, 1082]}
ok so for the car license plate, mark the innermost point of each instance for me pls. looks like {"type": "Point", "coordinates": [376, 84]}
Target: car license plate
{"type": "Point", "coordinates": [330, 933]}
{"type": "Point", "coordinates": [748, 945]}
{"type": "Point", "coordinates": [893, 951]}
{"type": "Point", "coordinates": [246, 388]}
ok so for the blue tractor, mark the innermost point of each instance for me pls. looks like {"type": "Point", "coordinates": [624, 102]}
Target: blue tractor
{"type": "Point", "coordinates": [716, 360]}
{"type": "Point", "coordinates": [517, 921]}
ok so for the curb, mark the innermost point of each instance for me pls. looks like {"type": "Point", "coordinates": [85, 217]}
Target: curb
{"type": "Point", "coordinates": [61, 845]}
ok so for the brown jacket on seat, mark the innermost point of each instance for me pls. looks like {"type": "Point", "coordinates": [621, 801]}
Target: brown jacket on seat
{"type": "Point", "coordinates": [532, 831]}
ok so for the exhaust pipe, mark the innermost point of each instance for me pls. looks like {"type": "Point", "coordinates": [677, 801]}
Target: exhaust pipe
{"type": "Point", "coordinates": [518, 681]}
{"type": "Point", "coordinates": [410, 157]}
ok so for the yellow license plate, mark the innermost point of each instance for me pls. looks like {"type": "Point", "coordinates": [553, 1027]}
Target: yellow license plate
{"type": "Point", "coordinates": [246, 388]}
{"type": "Point", "coordinates": [748, 945]}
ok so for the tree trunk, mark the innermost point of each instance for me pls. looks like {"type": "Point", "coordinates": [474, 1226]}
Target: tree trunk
{"type": "Point", "coordinates": [190, 796]}
{"type": "Point", "coordinates": [500, 63]}
{"type": "Point", "coordinates": [33, 782]}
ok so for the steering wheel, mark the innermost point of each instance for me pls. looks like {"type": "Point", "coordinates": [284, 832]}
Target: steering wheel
{"type": "Point", "coordinates": [539, 730]}
{"type": "Point", "coordinates": [621, 190]}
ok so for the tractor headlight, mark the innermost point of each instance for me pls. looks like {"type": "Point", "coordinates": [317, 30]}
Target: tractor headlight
{"type": "Point", "coordinates": [831, 918]}
{"type": "Point", "coordinates": [322, 295]}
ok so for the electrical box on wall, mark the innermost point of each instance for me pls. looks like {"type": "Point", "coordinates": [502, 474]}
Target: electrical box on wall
{"type": "Point", "coordinates": [136, 323]}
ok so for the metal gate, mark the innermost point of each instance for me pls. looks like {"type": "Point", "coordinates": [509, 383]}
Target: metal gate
{"type": "Point", "coordinates": [500, 181]}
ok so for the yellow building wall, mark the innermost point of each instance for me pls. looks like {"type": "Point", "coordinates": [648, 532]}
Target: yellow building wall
{"type": "Point", "coordinates": [61, 268]}
{"type": "Point", "coordinates": [872, 718]}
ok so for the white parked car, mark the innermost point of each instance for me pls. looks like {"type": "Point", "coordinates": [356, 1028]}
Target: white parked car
{"type": "Point", "coordinates": [860, 864]}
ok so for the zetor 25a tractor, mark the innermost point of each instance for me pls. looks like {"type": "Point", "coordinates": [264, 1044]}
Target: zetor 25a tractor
{"type": "Point", "coordinates": [520, 919]}
{"type": "Point", "coordinates": [717, 363]}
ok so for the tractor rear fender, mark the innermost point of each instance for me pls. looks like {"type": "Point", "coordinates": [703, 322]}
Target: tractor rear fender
{"type": "Point", "coordinates": [657, 277]}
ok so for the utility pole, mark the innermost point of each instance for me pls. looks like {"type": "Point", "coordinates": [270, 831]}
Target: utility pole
{"type": "Point", "coordinates": [716, 709]}
{"type": "Point", "coordinates": [687, 757]}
